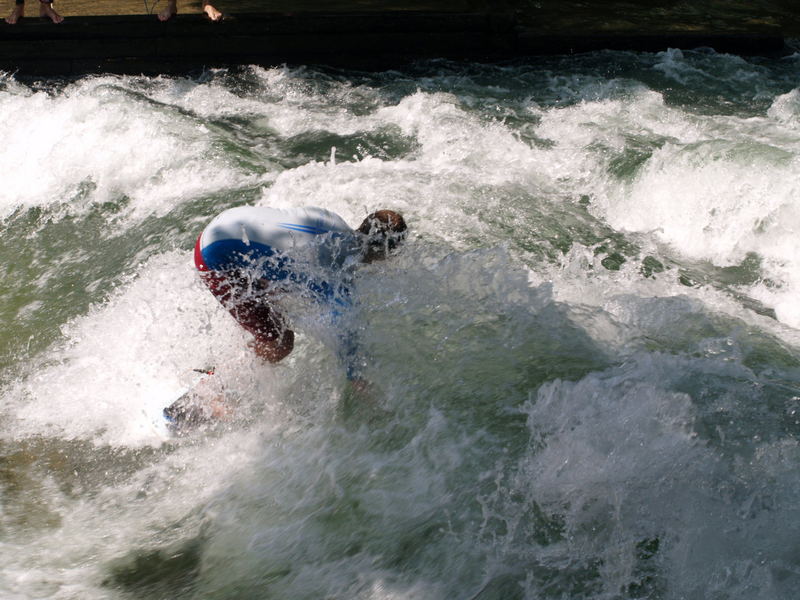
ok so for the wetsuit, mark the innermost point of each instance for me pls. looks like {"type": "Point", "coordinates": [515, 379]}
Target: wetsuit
{"type": "Point", "coordinates": [248, 255]}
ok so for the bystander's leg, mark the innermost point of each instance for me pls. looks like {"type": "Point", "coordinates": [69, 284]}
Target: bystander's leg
{"type": "Point", "coordinates": [46, 10]}
{"type": "Point", "coordinates": [17, 13]}
{"type": "Point", "coordinates": [170, 11]}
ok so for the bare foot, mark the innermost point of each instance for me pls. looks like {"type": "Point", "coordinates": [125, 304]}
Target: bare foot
{"type": "Point", "coordinates": [169, 12]}
{"type": "Point", "coordinates": [16, 14]}
{"type": "Point", "coordinates": [46, 10]}
{"type": "Point", "coordinates": [212, 12]}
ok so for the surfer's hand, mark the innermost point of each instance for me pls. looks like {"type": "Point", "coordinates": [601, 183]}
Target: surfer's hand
{"type": "Point", "coordinates": [219, 409]}
{"type": "Point", "coordinates": [210, 393]}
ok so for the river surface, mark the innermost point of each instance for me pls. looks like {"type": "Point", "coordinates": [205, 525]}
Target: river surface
{"type": "Point", "coordinates": [584, 362]}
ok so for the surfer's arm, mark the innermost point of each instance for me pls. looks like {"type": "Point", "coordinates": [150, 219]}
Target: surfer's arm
{"type": "Point", "coordinates": [273, 346]}
{"type": "Point", "coordinates": [273, 341]}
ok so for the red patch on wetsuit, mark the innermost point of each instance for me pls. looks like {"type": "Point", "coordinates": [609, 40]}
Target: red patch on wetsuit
{"type": "Point", "coordinates": [252, 314]}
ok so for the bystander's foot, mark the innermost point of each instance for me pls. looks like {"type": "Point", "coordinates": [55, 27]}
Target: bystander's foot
{"type": "Point", "coordinates": [46, 10]}
{"type": "Point", "coordinates": [169, 12]}
{"type": "Point", "coordinates": [212, 12]}
{"type": "Point", "coordinates": [16, 14]}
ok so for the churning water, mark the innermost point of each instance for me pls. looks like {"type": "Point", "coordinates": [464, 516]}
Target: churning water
{"type": "Point", "coordinates": [585, 361]}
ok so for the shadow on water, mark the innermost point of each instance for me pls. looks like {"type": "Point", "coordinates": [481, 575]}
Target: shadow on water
{"type": "Point", "coordinates": [82, 471]}
{"type": "Point", "coordinates": [78, 468]}
{"type": "Point", "coordinates": [167, 572]}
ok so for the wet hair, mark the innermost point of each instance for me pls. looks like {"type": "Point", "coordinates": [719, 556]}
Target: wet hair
{"type": "Point", "coordinates": [384, 228]}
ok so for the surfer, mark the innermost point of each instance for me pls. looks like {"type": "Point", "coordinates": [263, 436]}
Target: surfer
{"type": "Point", "coordinates": [255, 260]}
{"type": "Point", "coordinates": [46, 10]}
{"type": "Point", "coordinates": [252, 258]}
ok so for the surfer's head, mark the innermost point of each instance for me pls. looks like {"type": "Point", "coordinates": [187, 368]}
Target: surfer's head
{"type": "Point", "coordinates": [383, 231]}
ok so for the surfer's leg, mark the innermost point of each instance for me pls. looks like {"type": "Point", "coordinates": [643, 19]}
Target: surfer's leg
{"type": "Point", "coordinates": [17, 13]}
{"type": "Point", "coordinates": [169, 12]}
{"type": "Point", "coordinates": [46, 10]}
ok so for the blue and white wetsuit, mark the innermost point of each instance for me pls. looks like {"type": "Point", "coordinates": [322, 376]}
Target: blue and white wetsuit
{"type": "Point", "coordinates": [247, 253]}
